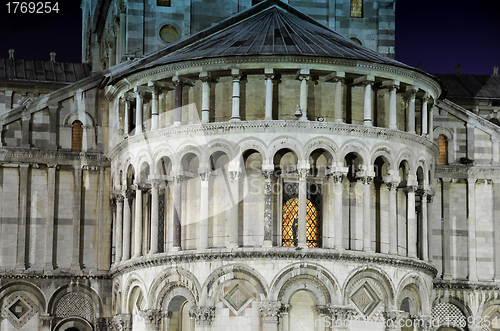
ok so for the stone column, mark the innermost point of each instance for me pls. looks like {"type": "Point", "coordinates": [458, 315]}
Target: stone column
{"type": "Point", "coordinates": [49, 225]}
{"type": "Point", "coordinates": [425, 220]}
{"type": "Point", "coordinates": [392, 107]}
{"type": "Point", "coordinates": [177, 100]}
{"type": "Point", "coordinates": [155, 90]}
{"type": "Point", "coordinates": [496, 149]}
{"type": "Point", "coordinates": [77, 203]}
{"type": "Point", "coordinates": [269, 74]}
{"type": "Point", "coordinates": [126, 225]}
{"type": "Point", "coordinates": [338, 219]}
{"type": "Point", "coordinates": [138, 110]}
{"type": "Point", "coordinates": [119, 229]}
{"type": "Point", "coordinates": [53, 127]}
{"type": "Point", "coordinates": [268, 212]}
{"type": "Point", "coordinates": [393, 220]}
{"type": "Point", "coordinates": [302, 222]}
{"type": "Point", "coordinates": [177, 192]}
{"type": "Point", "coordinates": [470, 141]}
{"type": "Point", "coordinates": [303, 75]}
{"type": "Point", "coordinates": [368, 104]}
{"type": "Point", "coordinates": [236, 74]}
{"type": "Point", "coordinates": [23, 217]}
{"type": "Point", "coordinates": [338, 99]}
{"type": "Point", "coordinates": [367, 222]}
{"type": "Point", "coordinates": [411, 110]}
{"type": "Point", "coordinates": [269, 315]}
{"type": "Point", "coordinates": [126, 129]}
{"type": "Point", "coordinates": [429, 218]}
{"type": "Point", "coordinates": [204, 209]}
{"type": "Point", "coordinates": [123, 34]}
{"type": "Point", "coordinates": [205, 78]}
{"type": "Point", "coordinates": [446, 231]}
{"type": "Point", "coordinates": [471, 221]}
{"type": "Point", "coordinates": [25, 130]}
{"type": "Point", "coordinates": [412, 222]}
{"type": "Point", "coordinates": [496, 227]}
{"type": "Point", "coordinates": [138, 222]}
{"type": "Point", "coordinates": [425, 119]}
{"type": "Point", "coordinates": [431, 124]}
{"type": "Point", "coordinates": [155, 186]}
{"type": "Point", "coordinates": [203, 317]}
{"type": "Point", "coordinates": [233, 222]}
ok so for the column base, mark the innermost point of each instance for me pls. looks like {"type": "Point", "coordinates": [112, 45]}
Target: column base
{"type": "Point", "coordinates": [177, 124]}
{"type": "Point", "coordinates": [233, 245]}
{"type": "Point", "coordinates": [75, 267]}
{"type": "Point", "coordinates": [392, 127]}
{"type": "Point", "coordinates": [338, 120]}
{"type": "Point", "coordinates": [235, 119]}
{"type": "Point", "coordinates": [267, 243]}
{"type": "Point", "coordinates": [367, 123]}
{"type": "Point", "coordinates": [447, 277]}
{"type": "Point", "coordinates": [175, 249]}
{"type": "Point", "coordinates": [340, 248]}
{"type": "Point", "coordinates": [302, 245]}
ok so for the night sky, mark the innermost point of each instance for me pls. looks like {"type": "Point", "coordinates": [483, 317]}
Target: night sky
{"type": "Point", "coordinates": [437, 33]}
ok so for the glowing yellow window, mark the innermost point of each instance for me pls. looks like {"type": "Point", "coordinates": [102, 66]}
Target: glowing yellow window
{"type": "Point", "coordinates": [356, 8]}
{"type": "Point", "coordinates": [290, 230]}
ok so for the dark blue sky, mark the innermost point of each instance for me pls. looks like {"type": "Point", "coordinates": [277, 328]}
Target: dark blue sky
{"type": "Point", "coordinates": [438, 33]}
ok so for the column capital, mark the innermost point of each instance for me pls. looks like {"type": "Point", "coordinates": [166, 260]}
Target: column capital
{"type": "Point", "coordinates": [269, 73]}
{"type": "Point", "coordinates": [338, 177]}
{"type": "Point", "coordinates": [341, 313]}
{"type": "Point", "coordinates": [179, 80]}
{"type": "Point", "coordinates": [156, 183]}
{"type": "Point", "coordinates": [391, 84]}
{"type": "Point", "coordinates": [151, 316]}
{"type": "Point", "coordinates": [303, 74]}
{"type": "Point", "coordinates": [53, 166]}
{"type": "Point", "coordinates": [139, 91]}
{"type": "Point", "coordinates": [45, 319]}
{"type": "Point", "coordinates": [237, 74]}
{"type": "Point", "coordinates": [204, 176]}
{"type": "Point", "coordinates": [411, 91]}
{"type": "Point", "coordinates": [336, 76]}
{"type": "Point", "coordinates": [303, 172]}
{"type": "Point", "coordinates": [206, 77]}
{"type": "Point", "coordinates": [364, 80]}
{"type": "Point", "coordinates": [392, 318]}
{"type": "Point", "coordinates": [123, 322]}
{"type": "Point", "coordinates": [154, 88]}
{"type": "Point", "coordinates": [270, 311]}
{"type": "Point", "coordinates": [203, 315]}
{"type": "Point", "coordinates": [393, 186]}
{"type": "Point", "coordinates": [366, 180]}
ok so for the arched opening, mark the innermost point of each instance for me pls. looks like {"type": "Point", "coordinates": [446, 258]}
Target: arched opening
{"type": "Point", "coordinates": [302, 314]}
{"type": "Point", "coordinates": [353, 193]}
{"type": "Point", "coordinates": [442, 142]}
{"type": "Point", "coordinates": [179, 309]}
{"type": "Point", "coordinates": [253, 187]}
{"type": "Point", "coordinates": [381, 194]}
{"type": "Point", "coordinates": [76, 136]}
{"type": "Point", "coordinates": [164, 167]}
{"type": "Point", "coordinates": [418, 211]}
{"type": "Point", "coordinates": [356, 8]}
{"type": "Point", "coordinates": [190, 195]}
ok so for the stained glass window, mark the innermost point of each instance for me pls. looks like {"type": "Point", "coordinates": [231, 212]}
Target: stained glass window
{"type": "Point", "coordinates": [290, 230]}
{"type": "Point", "coordinates": [356, 8]}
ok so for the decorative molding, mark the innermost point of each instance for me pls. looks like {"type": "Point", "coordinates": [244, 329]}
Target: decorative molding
{"type": "Point", "coordinates": [274, 253]}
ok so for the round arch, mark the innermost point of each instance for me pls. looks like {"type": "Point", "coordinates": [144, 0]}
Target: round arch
{"type": "Point", "coordinates": [322, 143]}
{"type": "Point", "coordinates": [81, 288]}
{"type": "Point", "coordinates": [227, 273]}
{"type": "Point", "coordinates": [285, 283]}
{"type": "Point", "coordinates": [73, 322]}
{"type": "Point", "coordinates": [290, 143]}
{"type": "Point", "coordinates": [27, 287]}
{"type": "Point", "coordinates": [180, 277]}
{"type": "Point", "coordinates": [378, 275]}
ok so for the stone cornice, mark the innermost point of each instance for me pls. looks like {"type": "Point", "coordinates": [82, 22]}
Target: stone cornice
{"type": "Point", "coordinates": [462, 171]}
{"type": "Point", "coordinates": [402, 74]}
{"type": "Point", "coordinates": [52, 157]}
{"type": "Point", "coordinates": [273, 253]}
{"type": "Point", "coordinates": [260, 126]}
{"type": "Point", "coordinates": [41, 275]}
{"type": "Point", "coordinates": [465, 285]}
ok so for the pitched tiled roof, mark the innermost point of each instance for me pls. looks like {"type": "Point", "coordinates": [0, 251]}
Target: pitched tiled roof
{"type": "Point", "coordinates": [472, 86]}
{"type": "Point", "coordinates": [275, 29]}
{"type": "Point", "coordinates": [43, 71]}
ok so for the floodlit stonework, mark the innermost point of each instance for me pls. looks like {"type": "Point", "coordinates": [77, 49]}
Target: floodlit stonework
{"type": "Point", "coordinates": [259, 172]}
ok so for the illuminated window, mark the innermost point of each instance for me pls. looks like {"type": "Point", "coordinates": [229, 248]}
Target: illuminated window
{"type": "Point", "coordinates": [356, 40]}
{"type": "Point", "coordinates": [169, 34]}
{"type": "Point", "coordinates": [164, 3]}
{"type": "Point", "coordinates": [290, 228]}
{"type": "Point", "coordinates": [356, 8]}
{"type": "Point", "coordinates": [442, 158]}
{"type": "Point", "coordinates": [76, 136]}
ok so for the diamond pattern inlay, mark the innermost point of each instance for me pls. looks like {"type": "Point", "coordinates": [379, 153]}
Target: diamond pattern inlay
{"type": "Point", "coordinates": [365, 298]}
{"type": "Point", "coordinates": [19, 309]}
{"type": "Point", "coordinates": [237, 298]}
